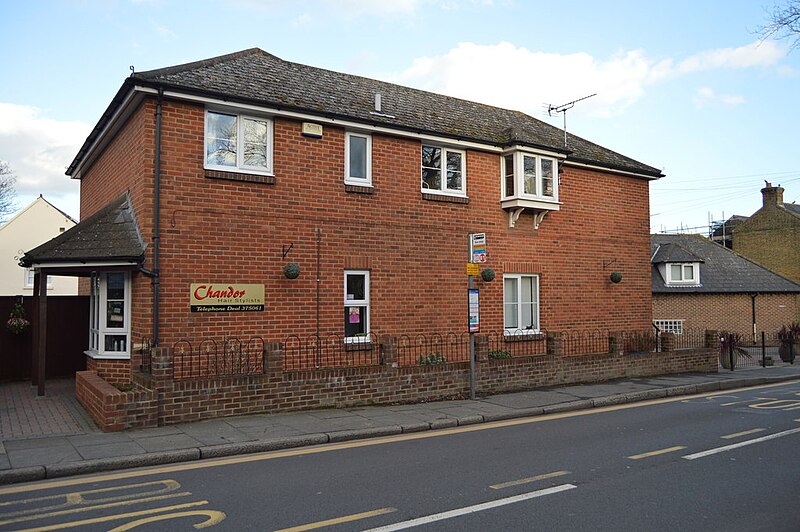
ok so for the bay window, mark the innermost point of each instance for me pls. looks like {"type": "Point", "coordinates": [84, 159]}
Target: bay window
{"type": "Point", "coordinates": [109, 315]}
{"type": "Point", "coordinates": [526, 175]}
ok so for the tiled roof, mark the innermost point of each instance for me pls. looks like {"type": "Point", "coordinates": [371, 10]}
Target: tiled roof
{"type": "Point", "coordinates": [792, 208]}
{"type": "Point", "coordinates": [256, 77]}
{"type": "Point", "coordinates": [722, 271]}
{"type": "Point", "coordinates": [111, 234]}
{"type": "Point", "coordinates": [674, 253]}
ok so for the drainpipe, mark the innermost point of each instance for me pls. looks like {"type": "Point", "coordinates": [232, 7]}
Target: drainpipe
{"type": "Point", "coordinates": [157, 216]}
{"type": "Point", "coordinates": [753, 298]}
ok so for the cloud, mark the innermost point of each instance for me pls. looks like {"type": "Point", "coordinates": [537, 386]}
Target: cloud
{"type": "Point", "coordinates": [706, 95]}
{"type": "Point", "coordinates": [38, 149]}
{"type": "Point", "coordinates": [506, 75]}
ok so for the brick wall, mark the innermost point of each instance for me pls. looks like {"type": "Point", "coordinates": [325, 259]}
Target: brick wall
{"type": "Point", "coordinates": [771, 237]}
{"type": "Point", "coordinates": [112, 408]}
{"type": "Point", "coordinates": [112, 371]}
{"type": "Point", "coordinates": [279, 391]}
{"type": "Point", "coordinates": [727, 312]}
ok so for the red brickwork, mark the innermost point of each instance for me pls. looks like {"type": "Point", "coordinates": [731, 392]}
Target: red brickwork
{"type": "Point", "coordinates": [112, 408]}
{"type": "Point", "coordinates": [112, 371]}
{"type": "Point", "coordinates": [230, 231]}
{"type": "Point", "coordinates": [727, 312]}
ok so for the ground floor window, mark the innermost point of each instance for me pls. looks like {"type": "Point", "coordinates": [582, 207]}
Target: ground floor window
{"type": "Point", "coordinates": [109, 314]}
{"type": "Point", "coordinates": [356, 305]}
{"type": "Point", "coordinates": [521, 303]}
{"type": "Point", "coordinates": [669, 326]}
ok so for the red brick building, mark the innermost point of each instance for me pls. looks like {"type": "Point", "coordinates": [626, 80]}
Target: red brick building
{"type": "Point", "coordinates": [202, 181]}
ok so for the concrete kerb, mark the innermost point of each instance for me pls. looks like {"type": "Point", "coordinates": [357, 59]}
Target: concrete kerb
{"type": "Point", "coordinates": [29, 474]}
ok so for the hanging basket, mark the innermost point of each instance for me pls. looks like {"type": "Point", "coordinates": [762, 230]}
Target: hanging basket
{"type": "Point", "coordinates": [291, 270]}
{"type": "Point", "coordinates": [487, 275]}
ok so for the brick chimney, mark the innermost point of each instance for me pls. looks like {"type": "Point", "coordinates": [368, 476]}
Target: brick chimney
{"type": "Point", "coordinates": [772, 195]}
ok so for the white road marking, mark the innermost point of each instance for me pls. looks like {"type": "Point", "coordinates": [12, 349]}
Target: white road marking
{"type": "Point", "coordinates": [709, 452]}
{"type": "Point", "coordinates": [472, 509]}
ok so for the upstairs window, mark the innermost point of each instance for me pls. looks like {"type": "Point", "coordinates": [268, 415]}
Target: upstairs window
{"type": "Point", "coordinates": [529, 176]}
{"type": "Point", "coordinates": [443, 171]}
{"type": "Point", "coordinates": [358, 159]}
{"type": "Point", "coordinates": [238, 142]}
{"type": "Point", "coordinates": [683, 273]}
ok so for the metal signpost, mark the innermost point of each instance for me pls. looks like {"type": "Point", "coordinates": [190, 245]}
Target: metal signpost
{"type": "Point", "coordinates": [477, 254]}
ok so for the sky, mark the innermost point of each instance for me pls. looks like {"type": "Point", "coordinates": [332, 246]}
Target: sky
{"type": "Point", "coordinates": [685, 86]}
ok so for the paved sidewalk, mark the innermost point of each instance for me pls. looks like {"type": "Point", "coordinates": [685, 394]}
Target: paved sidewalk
{"type": "Point", "coordinates": [77, 447]}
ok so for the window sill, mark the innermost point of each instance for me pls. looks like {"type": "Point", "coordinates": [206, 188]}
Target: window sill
{"type": "Point", "coordinates": [523, 336]}
{"type": "Point", "coordinates": [106, 356]}
{"type": "Point", "coordinates": [445, 198]}
{"type": "Point", "coordinates": [239, 176]}
{"type": "Point", "coordinates": [530, 203]}
{"type": "Point", "coordinates": [358, 189]}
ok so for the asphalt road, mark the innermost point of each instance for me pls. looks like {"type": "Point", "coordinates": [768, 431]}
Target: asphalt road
{"type": "Point", "coordinates": [725, 461]}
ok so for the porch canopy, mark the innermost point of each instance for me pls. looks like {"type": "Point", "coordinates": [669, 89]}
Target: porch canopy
{"type": "Point", "coordinates": [109, 240]}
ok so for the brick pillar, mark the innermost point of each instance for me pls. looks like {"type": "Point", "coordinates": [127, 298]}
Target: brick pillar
{"type": "Point", "coordinates": [481, 348]}
{"type": "Point", "coordinates": [389, 347]}
{"type": "Point", "coordinates": [616, 343]}
{"type": "Point", "coordinates": [273, 357]}
{"type": "Point", "coordinates": [712, 340]}
{"type": "Point", "coordinates": [667, 342]}
{"type": "Point", "coordinates": [161, 365]}
{"type": "Point", "coordinates": [555, 344]}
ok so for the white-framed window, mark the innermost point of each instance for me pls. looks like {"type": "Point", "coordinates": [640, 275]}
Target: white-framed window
{"type": "Point", "coordinates": [238, 142]}
{"type": "Point", "coordinates": [670, 326]}
{"type": "Point", "coordinates": [357, 159]}
{"type": "Point", "coordinates": [444, 170]}
{"type": "Point", "coordinates": [683, 273]}
{"type": "Point", "coordinates": [356, 305]}
{"type": "Point", "coordinates": [520, 303]}
{"type": "Point", "coordinates": [526, 175]}
{"type": "Point", "coordinates": [28, 279]}
{"type": "Point", "coordinates": [109, 315]}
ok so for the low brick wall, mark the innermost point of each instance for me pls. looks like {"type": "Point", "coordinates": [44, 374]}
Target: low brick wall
{"type": "Point", "coordinates": [113, 409]}
{"type": "Point", "coordinates": [161, 400]}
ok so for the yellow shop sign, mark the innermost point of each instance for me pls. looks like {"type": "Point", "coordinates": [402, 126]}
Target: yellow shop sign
{"type": "Point", "coordinates": [225, 297]}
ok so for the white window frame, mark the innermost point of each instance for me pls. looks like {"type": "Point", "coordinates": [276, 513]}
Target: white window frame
{"type": "Point", "coordinates": [670, 326]}
{"type": "Point", "coordinates": [98, 330]}
{"type": "Point", "coordinates": [519, 176]}
{"type": "Point", "coordinates": [695, 267]}
{"type": "Point", "coordinates": [240, 166]}
{"type": "Point", "coordinates": [27, 281]}
{"type": "Point", "coordinates": [511, 331]}
{"type": "Point", "coordinates": [359, 181]}
{"type": "Point", "coordinates": [362, 303]}
{"type": "Point", "coordinates": [444, 191]}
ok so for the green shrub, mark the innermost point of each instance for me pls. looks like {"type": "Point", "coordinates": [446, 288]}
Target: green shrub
{"type": "Point", "coordinates": [433, 359]}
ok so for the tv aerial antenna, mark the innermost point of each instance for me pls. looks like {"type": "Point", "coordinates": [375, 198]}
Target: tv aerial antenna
{"type": "Point", "coordinates": [563, 109]}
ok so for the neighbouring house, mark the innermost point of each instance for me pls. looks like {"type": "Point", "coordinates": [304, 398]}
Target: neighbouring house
{"type": "Point", "coordinates": [37, 223]}
{"type": "Point", "coordinates": [771, 236]}
{"type": "Point", "coordinates": [252, 218]}
{"type": "Point", "coordinates": [701, 285]}
{"type": "Point", "coordinates": [722, 232]}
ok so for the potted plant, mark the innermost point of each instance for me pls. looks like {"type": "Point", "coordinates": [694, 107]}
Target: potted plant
{"type": "Point", "coordinates": [731, 342]}
{"type": "Point", "coordinates": [16, 322]}
{"type": "Point", "coordinates": [789, 336]}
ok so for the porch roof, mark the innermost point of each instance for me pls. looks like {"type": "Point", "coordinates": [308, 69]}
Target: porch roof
{"type": "Point", "coordinates": [110, 237]}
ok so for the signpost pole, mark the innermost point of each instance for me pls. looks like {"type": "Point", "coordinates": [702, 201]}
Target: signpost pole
{"type": "Point", "coordinates": [471, 351]}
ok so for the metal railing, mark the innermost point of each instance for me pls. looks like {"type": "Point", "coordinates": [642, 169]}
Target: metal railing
{"type": "Point", "coordinates": [590, 342]}
{"type": "Point", "coordinates": [432, 349]}
{"type": "Point", "coordinates": [315, 352]}
{"type": "Point", "coordinates": [211, 358]}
